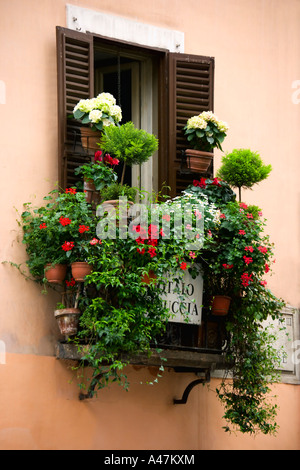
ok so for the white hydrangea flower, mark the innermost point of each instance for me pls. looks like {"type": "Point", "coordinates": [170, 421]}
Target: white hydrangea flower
{"type": "Point", "coordinates": [95, 115]}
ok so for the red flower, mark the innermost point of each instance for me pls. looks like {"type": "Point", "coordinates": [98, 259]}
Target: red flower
{"type": "Point", "coordinates": [250, 216]}
{"type": "Point", "coordinates": [222, 216]}
{"type": "Point", "coordinates": [248, 259]}
{"type": "Point", "coordinates": [68, 246]}
{"type": "Point", "coordinates": [263, 283]}
{"type": "Point", "coordinates": [227, 266]}
{"type": "Point", "coordinates": [166, 217]}
{"type": "Point", "coordinates": [140, 241]}
{"type": "Point", "coordinates": [141, 250]}
{"type": "Point", "coordinates": [152, 242]}
{"type": "Point", "coordinates": [152, 252]}
{"type": "Point", "coordinates": [95, 241]}
{"type": "Point", "coordinates": [201, 183]}
{"type": "Point", "coordinates": [43, 225]}
{"type": "Point", "coordinates": [216, 182]}
{"type": "Point", "coordinates": [140, 230]}
{"type": "Point", "coordinates": [111, 161]}
{"type": "Point", "coordinates": [243, 205]}
{"type": "Point", "coordinates": [152, 230]}
{"type": "Point", "coordinates": [249, 248]}
{"type": "Point", "coordinates": [246, 278]}
{"type": "Point", "coordinates": [267, 268]}
{"type": "Point", "coordinates": [183, 266]}
{"type": "Point", "coordinates": [64, 221]}
{"type": "Point", "coordinates": [98, 156]}
{"type": "Point", "coordinates": [263, 249]}
{"type": "Point", "coordinates": [71, 190]}
{"type": "Point", "coordinates": [83, 228]}
{"type": "Point", "coordinates": [71, 283]}
{"type": "Point", "coordinates": [242, 232]}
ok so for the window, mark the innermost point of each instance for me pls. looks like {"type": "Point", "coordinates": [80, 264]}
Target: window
{"type": "Point", "coordinates": [158, 90]}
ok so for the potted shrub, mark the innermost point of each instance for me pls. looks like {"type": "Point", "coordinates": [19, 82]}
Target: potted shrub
{"type": "Point", "coordinates": [58, 232]}
{"type": "Point", "coordinates": [128, 144]}
{"type": "Point", "coordinates": [97, 175]}
{"type": "Point", "coordinates": [96, 114]}
{"type": "Point", "coordinates": [204, 132]}
{"type": "Point", "coordinates": [242, 168]}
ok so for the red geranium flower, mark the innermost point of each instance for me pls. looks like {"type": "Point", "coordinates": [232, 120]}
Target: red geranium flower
{"type": "Point", "coordinates": [183, 266]}
{"type": "Point", "coordinates": [68, 246]}
{"type": "Point", "coordinates": [152, 252]}
{"type": "Point", "coordinates": [83, 228]}
{"type": "Point", "coordinates": [64, 221]}
{"type": "Point", "coordinates": [98, 156]}
{"type": "Point", "coordinates": [71, 190]}
{"type": "Point", "coordinates": [43, 225]}
{"type": "Point", "coordinates": [248, 259]}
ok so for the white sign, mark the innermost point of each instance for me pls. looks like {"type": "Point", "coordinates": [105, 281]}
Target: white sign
{"type": "Point", "coordinates": [186, 309]}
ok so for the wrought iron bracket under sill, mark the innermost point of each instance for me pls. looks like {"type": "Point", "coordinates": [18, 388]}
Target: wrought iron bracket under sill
{"type": "Point", "coordinates": [201, 364]}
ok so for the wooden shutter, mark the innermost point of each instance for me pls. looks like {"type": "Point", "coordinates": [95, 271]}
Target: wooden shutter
{"type": "Point", "coordinates": [75, 72]}
{"type": "Point", "coordinates": [190, 91]}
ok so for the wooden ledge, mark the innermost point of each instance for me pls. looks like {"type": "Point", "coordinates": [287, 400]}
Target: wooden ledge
{"type": "Point", "coordinates": [181, 360]}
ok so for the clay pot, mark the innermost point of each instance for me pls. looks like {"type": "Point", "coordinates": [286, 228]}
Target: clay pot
{"type": "Point", "coordinates": [149, 278]}
{"type": "Point", "coordinates": [90, 138]}
{"type": "Point", "coordinates": [80, 269]}
{"type": "Point", "coordinates": [55, 274]}
{"type": "Point", "coordinates": [115, 203]}
{"type": "Point", "coordinates": [220, 305]}
{"type": "Point", "coordinates": [198, 161]}
{"type": "Point", "coordinates": [68, 320]}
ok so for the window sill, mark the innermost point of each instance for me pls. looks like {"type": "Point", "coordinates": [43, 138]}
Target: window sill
{"type": "Point", "coordinates": [178, 359]}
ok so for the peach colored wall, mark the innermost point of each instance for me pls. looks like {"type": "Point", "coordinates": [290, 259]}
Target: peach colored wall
{"type": "Point", "coordinates": [257, 50]}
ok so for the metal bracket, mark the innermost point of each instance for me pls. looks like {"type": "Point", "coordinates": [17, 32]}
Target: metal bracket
{"type": "Point", "coordinates": [203, 380]}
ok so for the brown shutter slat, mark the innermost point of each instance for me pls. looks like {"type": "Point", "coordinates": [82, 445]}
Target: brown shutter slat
{"type": "Point", "coordinates": [75, 72]}
{"type": "Point", "coordinates": [190, 91]}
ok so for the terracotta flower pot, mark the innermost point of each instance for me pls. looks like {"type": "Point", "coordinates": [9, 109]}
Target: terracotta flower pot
{"type": "Point", "coordinates": [115, 203]}
{"type": "Point", "coordinates": [68, 320]}
{"type": "Point", "coordinates": [220, 305]}
{"type": "Point", "coordinates": [55, 274]}
{"type": "Point", "coordinates": [80, 269]}
{"type": "Point", "coordinates": [149, 278]}
{"type": "Point", "coordinates": [198, 161]}
{"type": "Point", "coordinates": [91, 194]}
{"type": "Point", "coordinates": [90, 138]}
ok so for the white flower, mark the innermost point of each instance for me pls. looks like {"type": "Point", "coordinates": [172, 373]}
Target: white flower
{"type": "Point", "coordinates": [107, 123]}
{"type": "Point", "coordinates": [95, 115]}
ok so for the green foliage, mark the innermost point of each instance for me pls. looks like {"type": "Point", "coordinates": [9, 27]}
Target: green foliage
{"type": "Point", "coordinates": [101, 175]}
{"type": "Point", "coordinates": [243, 168]}
{"type": "Point", "coordinates": [116, 190]}
{"type": "Point", "coordinates": [217, 192]}
{"type": "Point", "coordinates": [66, 217]}
{"type": "Point", "coordinates": [129, 144]}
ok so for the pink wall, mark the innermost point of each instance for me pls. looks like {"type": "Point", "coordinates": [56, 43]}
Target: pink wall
{"type": "Point", "coordinates": [256, 45]}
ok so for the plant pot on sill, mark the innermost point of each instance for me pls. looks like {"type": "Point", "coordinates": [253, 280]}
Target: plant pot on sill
{"type": "Point", "coordinates": [149, 278]}
{"type": "Point", "coordinates": [67, 320]}
{"type": "Point", "coordinates": [90, 139]}
{"type": "Point", "coordinates": [91, 194]}
{"type": "Point", "coordinates": [80, 269]}
{"type": "Point", "coordinates": [220, 305]}
{"type": "Point", "coordinates": [198, 161]}
{"type": "Point", "coordinates": [55, 274]}
{"type": "Point", "coordinates": [115, 205]}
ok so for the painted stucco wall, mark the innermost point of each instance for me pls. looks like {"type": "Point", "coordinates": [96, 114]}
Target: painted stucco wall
{"type": "Point", "coordinates": [256, 45]}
